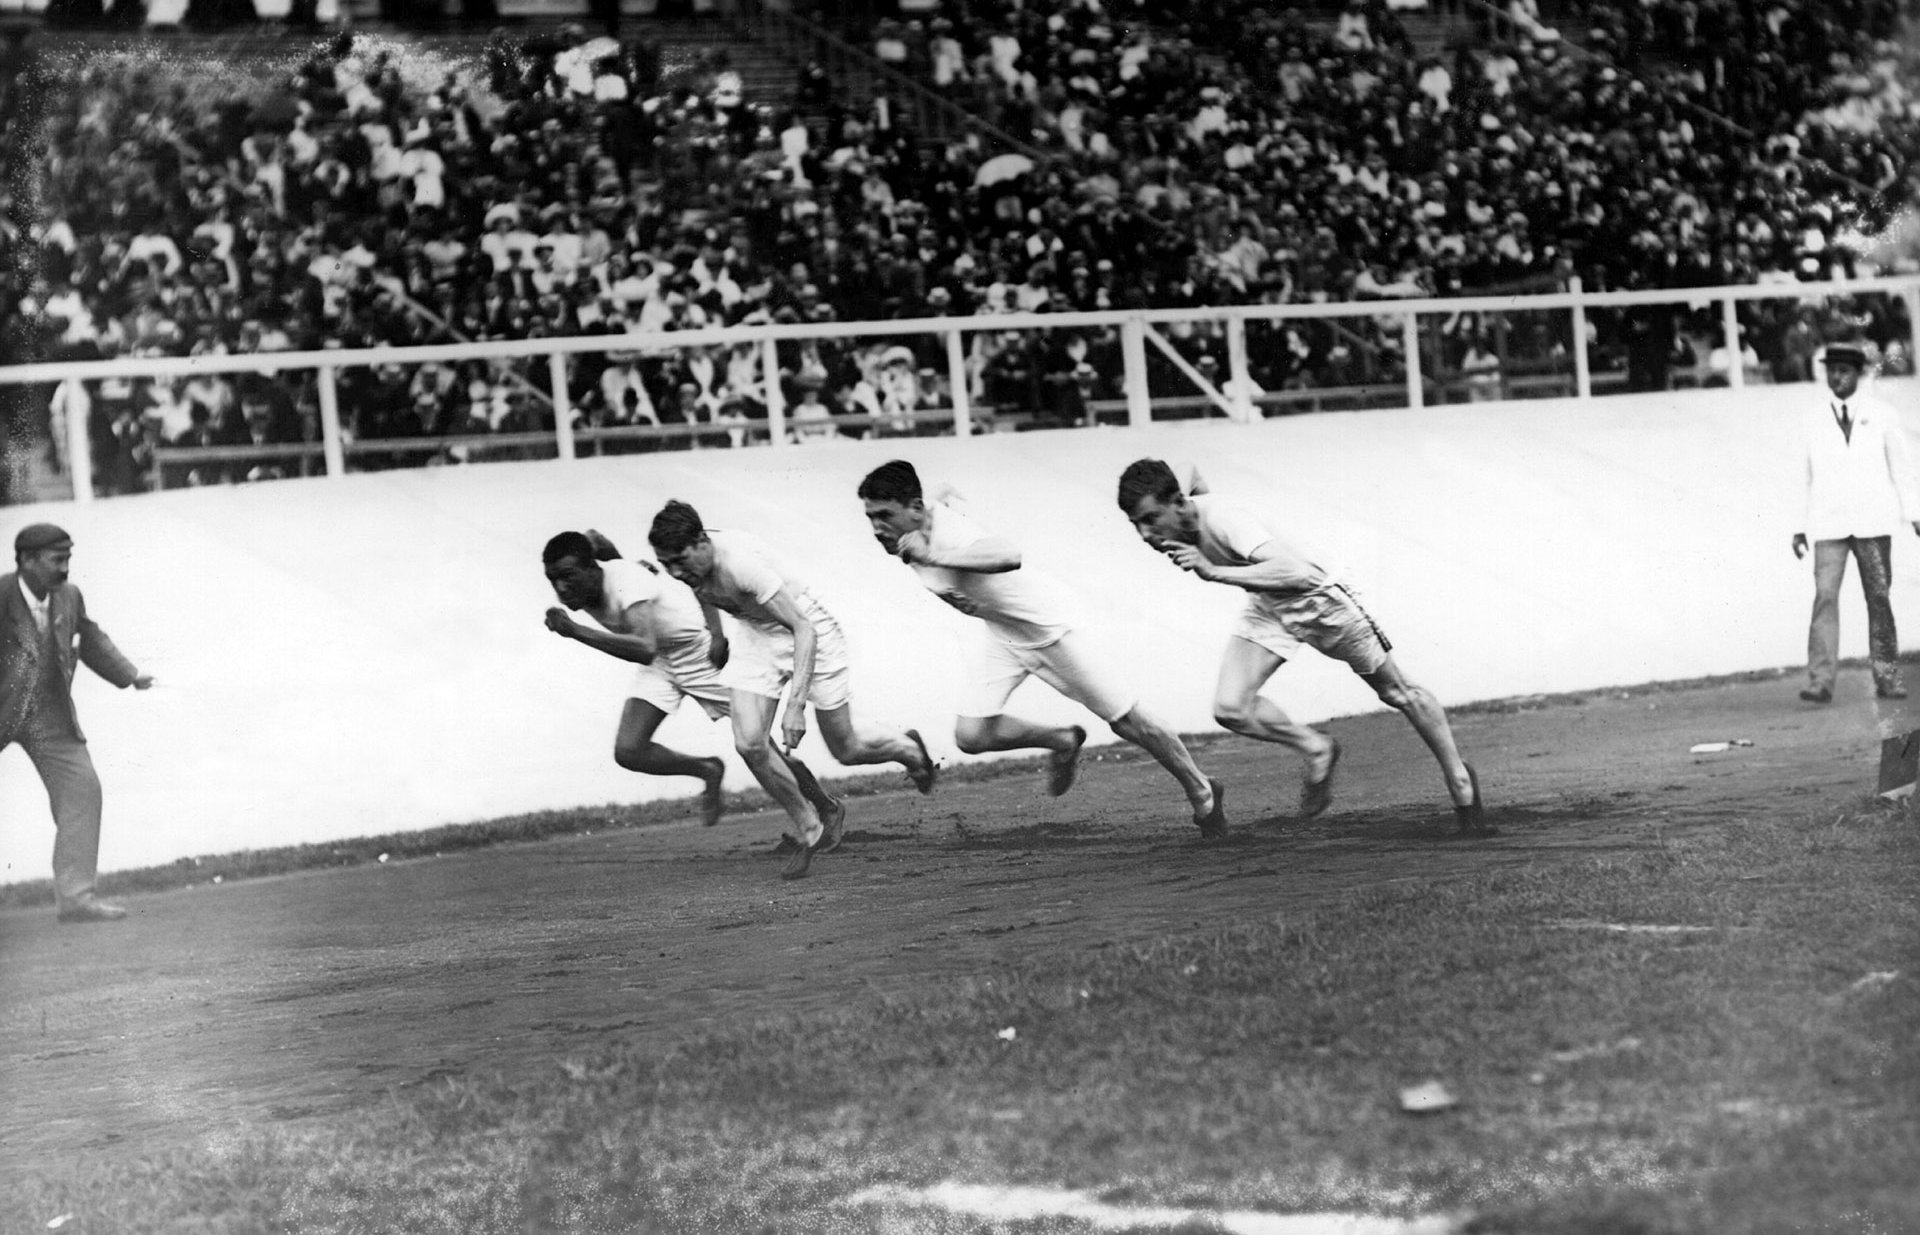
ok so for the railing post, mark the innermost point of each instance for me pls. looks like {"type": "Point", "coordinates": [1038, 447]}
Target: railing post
{"type": "Point", "coordinates": [1239, 391]}
{"type": "Point", "coordinates": [1133, 352]}
{"type": "Point", "coordinates": [1912, 295]}
{"type": "Point", "coordinates": [1410, 345]}
{"type": "Point", "coordinates": [776, 402]}
{"type": "Point", "coordinates": [79, 453]}
{"type": "Point", "coordinates": [957, 379]}
{"type": "Point", "coordinates": [562, 407]}
{"type": "Point", "coordinates": [330, 441]}
{"type": "Point", "coordinates": [1730, 327]}
{"type": "Point", "coordinates": [1582, 369]}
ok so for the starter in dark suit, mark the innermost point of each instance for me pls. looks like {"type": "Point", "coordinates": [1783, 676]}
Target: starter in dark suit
{"type": "Point", "coordinates": [43, 627]}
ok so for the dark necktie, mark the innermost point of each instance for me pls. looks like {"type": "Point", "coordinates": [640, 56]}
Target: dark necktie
{"type": "Point", "coordinates": [1846, 424]}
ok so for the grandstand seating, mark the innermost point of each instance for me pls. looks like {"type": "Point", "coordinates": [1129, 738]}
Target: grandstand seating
{"type": "Point", "coordinates": [1166, 165]}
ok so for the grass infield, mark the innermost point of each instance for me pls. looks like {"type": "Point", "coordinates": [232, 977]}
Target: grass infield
{"type": "Point", "coordinates": [1754, 1072]}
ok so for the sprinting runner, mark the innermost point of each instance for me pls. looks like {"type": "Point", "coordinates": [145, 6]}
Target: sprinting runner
{"type": "Point", "coordinates": [1292, 600]}
{"type": "Point", "coordinates": [1024, 631]}
{"type": "Point", "coordinates": [651, 620]}
{"type": "Point", "coordinates": [789, 646]}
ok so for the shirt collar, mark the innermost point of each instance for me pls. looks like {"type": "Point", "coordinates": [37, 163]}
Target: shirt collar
{"type": "Point", "coordinates": [38, 605]}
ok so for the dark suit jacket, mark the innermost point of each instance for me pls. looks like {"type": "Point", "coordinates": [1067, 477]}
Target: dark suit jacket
{"type": "Point", "coordinates": [21, 647]}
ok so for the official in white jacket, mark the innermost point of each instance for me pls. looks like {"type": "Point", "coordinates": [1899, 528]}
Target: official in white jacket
{"type": "Point", "coordinates": [1860, 491]}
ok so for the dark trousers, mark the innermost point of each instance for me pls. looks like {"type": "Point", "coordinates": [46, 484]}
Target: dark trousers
{"type": "Point", "coordinates": [1875, 555]}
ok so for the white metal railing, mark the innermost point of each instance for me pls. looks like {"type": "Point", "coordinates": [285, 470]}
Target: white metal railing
{"type": "Point", "coordinates": [1137, 328]}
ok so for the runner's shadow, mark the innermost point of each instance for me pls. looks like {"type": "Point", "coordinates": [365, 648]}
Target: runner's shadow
{"type": "Point", "coordinates": [1049, 834]}
{"type": "Point", "coordinates": [1423, 824]}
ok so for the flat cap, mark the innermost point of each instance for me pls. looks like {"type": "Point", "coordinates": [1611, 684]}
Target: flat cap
{"type": "Point", "coordinates": [1846, 353]}
{"type": "Point", "coordinates": [37, 536]}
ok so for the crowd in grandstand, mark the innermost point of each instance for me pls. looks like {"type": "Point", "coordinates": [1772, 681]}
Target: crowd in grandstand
{"type": "Point", "coordinates": [1164, 155]}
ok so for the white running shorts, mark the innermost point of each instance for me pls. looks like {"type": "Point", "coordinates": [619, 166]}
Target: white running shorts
{"type": "Point", "coordinates": [684, 673]}
{"type": "Point", "coordinates": [1330, 621]}
{"type": "Point", "coordinates": [1070, 665]}
{"type": "Point", "coordinates": [760, 662]}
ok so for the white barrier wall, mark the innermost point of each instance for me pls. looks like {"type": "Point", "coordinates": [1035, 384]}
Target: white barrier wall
{"type": "Point", "coordinates": [344, 657]}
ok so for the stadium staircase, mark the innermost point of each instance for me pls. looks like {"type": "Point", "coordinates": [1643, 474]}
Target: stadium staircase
{"type": "Point", "coordinates": [768, 70]}
{"type": "Point", "coordinates": [767, 73]}
{"type": "Point", "coordinates": [1431, 33]}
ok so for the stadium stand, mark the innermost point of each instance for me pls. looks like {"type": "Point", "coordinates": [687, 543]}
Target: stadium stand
{"type": "Point", "coordinates": [1135, 153]}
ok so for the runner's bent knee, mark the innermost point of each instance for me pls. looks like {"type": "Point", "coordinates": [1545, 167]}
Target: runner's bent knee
{"type": "Point", "coordinates": [973, 736]}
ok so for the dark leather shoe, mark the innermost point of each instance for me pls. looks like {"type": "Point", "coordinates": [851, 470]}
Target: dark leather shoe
{"type": "Point", "coordinates": [1214, 826]}
{"type": "Point", "coordinates": [1892, 690]}
{"type": "Point", "coordinates": [1816, 694]}
{"type": "Point", "coordinates": [1317, 794]}
{"type": "Point", "coordinates": [929, 770]}
{"type": "Point", "coordinates": [1064, 765]}
{"type": "Point", "coordinates": [91, 910]}
{"type": "Point", "coordinates": [796, 867]}
{"type": "Point", "coordinates": [834, 819]}
{"type": "Point", "coordinates": [713, 799]}
{"type": "Point", "coordinates": [1472, 818]}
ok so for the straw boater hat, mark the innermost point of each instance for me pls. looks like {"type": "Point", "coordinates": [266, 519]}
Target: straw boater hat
{"type": "Point", "coordinates": [1846, 354]}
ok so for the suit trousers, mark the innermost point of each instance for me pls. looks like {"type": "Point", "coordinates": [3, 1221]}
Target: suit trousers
{"type": "Point", "coordinates": [1875, 555]}
{"type": "Point", "coordinates": [73, 790]}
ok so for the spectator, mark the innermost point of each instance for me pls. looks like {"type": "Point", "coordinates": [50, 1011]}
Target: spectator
{"type": "Point", "coordinates": [1290, 165]}
{"type": "Point", "coordinates": [812, 420]}
{"type": "Point", "coordinates": [1480, 365]}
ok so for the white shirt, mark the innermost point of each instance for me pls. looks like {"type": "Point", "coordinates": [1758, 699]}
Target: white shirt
{"type": "Point", "coordinates": [677, 620]}
{"type": "Point", "coordinates": [812, 421]}
{"type": "Point", "coordinates": [37, 605]}
{"type": "Point", "coordinates": [1231, 535]}
{"type": "Point", "coordinates": [1023, 608]}
{"type": "Point", "coordinates": [746, 575]}
{"type": "Point", "coordinates": [1858, 485]}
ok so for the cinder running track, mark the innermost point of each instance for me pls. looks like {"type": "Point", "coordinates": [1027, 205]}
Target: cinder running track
{"type": "Point", "coordinates": [300, 997]}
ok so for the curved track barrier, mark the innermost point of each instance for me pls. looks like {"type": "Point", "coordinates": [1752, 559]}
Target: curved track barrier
{"type": "Point", "coordinates": [366, 654]}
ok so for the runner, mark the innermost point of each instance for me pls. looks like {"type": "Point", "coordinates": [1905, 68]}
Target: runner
{"type": "Point", "coordinates": [650, 619]}
{"type": "Point", "coordinates": [1292, 600]}
{"type": "Point", "coordinates": [788, 645]}
{"type": "Point", "coordinates": [1024, 631]}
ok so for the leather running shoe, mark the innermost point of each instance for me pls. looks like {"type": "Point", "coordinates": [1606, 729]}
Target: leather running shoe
{"type": "Point", "coordinates": [833, 818]}
{"type": "Point", "coordinates": [1064, 765]}
{"type": "Point", "coordinates": [90, 910]}
{"type": "Point", "coordinates": [930, 771]}
{"type": "Point", "coordinates": [1317, 793]}
{"type": "Point", "coordinates": [1892, 690]}
{"type": "Point", "coordinates": [713, 798]}
{"type": "Point", "coordinates": [796, 867]}
{"type": "Point", "coordinates": [1472, 818]}
{"type": "Point", "coordinates": [1817, 694]}
{"type": "Point", "coordinates": [1214, 826]}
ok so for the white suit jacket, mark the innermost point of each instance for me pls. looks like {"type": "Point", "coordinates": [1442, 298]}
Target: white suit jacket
{"type": "Point", "coordinates": [1863, 486]}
